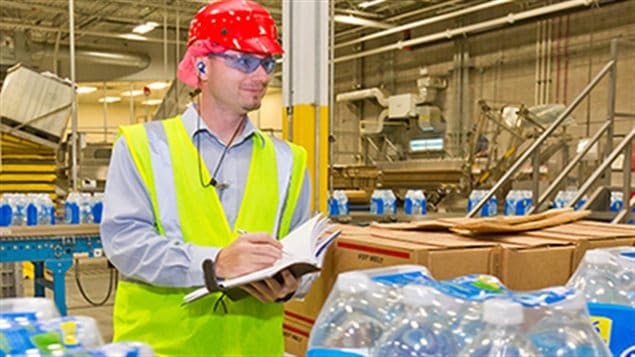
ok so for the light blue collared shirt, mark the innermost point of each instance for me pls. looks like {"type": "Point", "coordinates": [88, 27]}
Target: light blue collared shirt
{"type": "Point", "coordinates": [128, 231]}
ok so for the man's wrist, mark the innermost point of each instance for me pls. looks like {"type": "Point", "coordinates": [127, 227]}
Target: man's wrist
{"type": "Point", "coordinates": [218, 270]}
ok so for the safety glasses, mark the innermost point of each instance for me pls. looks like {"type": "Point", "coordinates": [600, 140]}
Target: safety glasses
{"type": "Point", "coordinates": [247, 63]}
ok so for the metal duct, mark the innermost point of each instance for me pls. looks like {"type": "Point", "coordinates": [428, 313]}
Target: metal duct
{"type": "Point", "coordinates": [364, 94]}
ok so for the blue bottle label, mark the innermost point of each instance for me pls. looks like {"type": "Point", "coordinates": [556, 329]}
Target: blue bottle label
{"type": "Point", "coordinates": [614, 323]}
{"type": "Point", "coordinates": [403, 279]}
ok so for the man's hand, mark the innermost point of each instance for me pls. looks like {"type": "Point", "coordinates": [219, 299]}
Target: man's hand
{"type": "Point", "coordinates": [248, 253]}
{"type": "Point", "coordinates": [269, 290]}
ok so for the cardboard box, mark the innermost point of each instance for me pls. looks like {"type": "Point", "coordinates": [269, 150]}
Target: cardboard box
{"type": "Point", "coordinates": [589, 235]}
{"type": "Point", "coordinates": [453, 256]}
{"type": "Point", "coordinates": [309, 308]}
{"type": "Point", "coordinates": [531, 263]}
{"type": "Point", "coordinates": [444, 260]}
{"type": "Point", "coordinates": [296, 336]}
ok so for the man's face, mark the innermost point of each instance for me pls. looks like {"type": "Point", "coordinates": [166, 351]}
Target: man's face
{"type": "Point", "coordinates": [232, 85]}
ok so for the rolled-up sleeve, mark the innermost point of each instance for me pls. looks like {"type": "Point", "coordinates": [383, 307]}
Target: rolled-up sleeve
{"type": "Point", "coordinates": [130, 237]}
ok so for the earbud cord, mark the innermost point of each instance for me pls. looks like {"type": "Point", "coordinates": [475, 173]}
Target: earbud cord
{"type": "Point", "coordinates": [212, 181]}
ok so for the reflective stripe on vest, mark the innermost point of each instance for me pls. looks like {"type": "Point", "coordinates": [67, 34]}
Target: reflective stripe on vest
{"type": "Point", "coordinates": [164, 155]}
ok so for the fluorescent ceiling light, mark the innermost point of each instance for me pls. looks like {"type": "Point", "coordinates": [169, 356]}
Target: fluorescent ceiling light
{"type": "Point", "coordinates": [145, 28]}
{"type": "Point", "coordinates": [85, 90]}
{"type": "Point", "coordinates": [158, 85]}
{"type": "Point", "coordinates": [354, 20]}
{"type": "Point", "coordinates": [370, 3]}
{"type": "Point", "coordinates": [109, 99]}
{"type": "Point", "coordinates": [132, 93]}
{"type": "Point", "coordinates": [152, 102]}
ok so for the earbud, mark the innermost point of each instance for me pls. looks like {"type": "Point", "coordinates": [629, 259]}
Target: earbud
{"type": "Point", "coordinates": [201, 67]}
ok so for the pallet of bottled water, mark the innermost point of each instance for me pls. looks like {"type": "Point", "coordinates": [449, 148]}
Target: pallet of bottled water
{"type": "Point", "coordinates": [34, 327]}
{"type": "Point", "coordinates": [606, 277]}
{"type": "Point", "coordinates": [403, 311]}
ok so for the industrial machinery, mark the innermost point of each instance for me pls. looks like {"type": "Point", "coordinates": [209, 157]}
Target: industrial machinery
{"type": "Point", "coordinates": [502, 132]}
{"type": "Point", "coordinates": [53, 248]}
{"type": "Point", "coordinates": [404, 145]}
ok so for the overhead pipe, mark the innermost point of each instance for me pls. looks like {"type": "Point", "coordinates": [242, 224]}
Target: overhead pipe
{"type": "Point", "coordinates": [71, 37]}
{"type": "Point", "coordinates": [136, 60]}
{"type": "Point", "coordinates": [418, 11]}
{"type": "Point", "coordinates": [424, 22]}
{"type": "Point", "coordinates": [464, 30]}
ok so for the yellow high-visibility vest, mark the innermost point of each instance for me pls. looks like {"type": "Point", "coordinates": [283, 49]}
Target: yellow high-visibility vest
{"type": "Point", "coordinates": [154, 315]}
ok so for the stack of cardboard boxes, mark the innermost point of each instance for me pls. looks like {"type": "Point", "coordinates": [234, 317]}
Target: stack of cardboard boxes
{"type": "Point", "coordinates": [523, 261]}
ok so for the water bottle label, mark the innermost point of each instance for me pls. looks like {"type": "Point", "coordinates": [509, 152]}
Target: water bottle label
{"type": "Point", "coordinates": [5, 215]}
{"type": "Point", "coordinates": [630, 255]}
{"type": "Point", "coordinates": [14, 316]}
{"type": "Point", "coordinates": [331, 352]}
{"type": "Point", "coordinates": [402, 279]}
{"type": "Point", "coordinates": [543, 297]}
{"type": "Point", "coordinates": [614, 323]}
{"type": "Point", "coordinates": [407, 206]}
{"type": "Point", "coordinates": [474, 287]}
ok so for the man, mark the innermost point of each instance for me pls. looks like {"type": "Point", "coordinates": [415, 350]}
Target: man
{"type": "Point", "coordinates": [180, 190]}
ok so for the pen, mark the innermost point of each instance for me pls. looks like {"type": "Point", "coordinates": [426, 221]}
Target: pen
{"type": "Point", "coordinates": [242, 231]}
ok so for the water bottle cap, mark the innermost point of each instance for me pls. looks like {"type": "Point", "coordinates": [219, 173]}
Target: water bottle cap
{"type": "Point", "coordinates": [353, 282]}
{"type": "Point", "coordinates": [502, 312]}
{"type": "Point", "coordinates": [597, 256]}
{"type": "Point", "coordinates": [418, 295]}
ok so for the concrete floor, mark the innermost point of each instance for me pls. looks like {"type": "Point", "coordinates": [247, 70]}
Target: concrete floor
{"type": "Point", "coordinates": [94, 276]}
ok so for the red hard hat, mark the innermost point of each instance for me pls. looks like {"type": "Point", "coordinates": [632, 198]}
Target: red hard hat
{"type": "Point", "coordinates": [240, 25]}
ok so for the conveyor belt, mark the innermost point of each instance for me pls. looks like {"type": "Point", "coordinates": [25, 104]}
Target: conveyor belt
{"type": "Point", "coordinates": [53, 247]}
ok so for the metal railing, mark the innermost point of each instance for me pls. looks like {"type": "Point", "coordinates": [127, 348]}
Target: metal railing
{"type": "Point", "coordinates": [534, 150]}
{"type": "Point", "coordinates": [625, 146]}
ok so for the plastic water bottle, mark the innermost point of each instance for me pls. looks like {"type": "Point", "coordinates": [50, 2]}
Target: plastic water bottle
{"type": "Point", "coordinates": [597, 277]}
{"type": "Point", "coordinates": [566, 331]}
{"type": "Point", "coordinates": [489, 209]}
{"type": "Point", "coordinates": [5, 211]}
{"type": "Point", "coordinates": [71, 208]}
{"type": "Point", "coordinates": [342, 202]}
{"type": "Point", "coordinates": [422, 330]}
{"type": "Point", "coordinates": [351, 319]}
{"type": "Point", "coordinates": [97, 206]}
{"type": "Point", "coordinates": [376, 203]}
{"type": "Point", "coordinates": [31, 309]}
{"type": "Point", "coordinates": [123, 349]}
{"type": "Point", "coordinates": [415, 202]}
{"type": "Point", "coordinates": [560, 201]}
{"type": "Point", "coordinates": [85, 209]}
{"type": "Point", "coordinates": [32, 209]}
{"type": "Point", "coordinates": [502, 335]}
{"type": "Point", "coordinates": [524, 202]}
{"type": "Point", "coordinates": [390, 202]}
{"type": "Point", "coordinates": [332, 206]}
{"type": "Point", "coordinates": [469, 323]}
{"type": "Point", "coordinates": [510, 203]}
{"type": "Point", "coordinates": [18, 204]}
{"type": "Point", "coordinates": [46, 212]}
{"type": "Point", "coordinates": [617, 201]}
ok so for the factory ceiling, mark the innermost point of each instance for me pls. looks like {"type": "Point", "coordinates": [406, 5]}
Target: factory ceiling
{"type": "Point", "coordinates": [33, 32]}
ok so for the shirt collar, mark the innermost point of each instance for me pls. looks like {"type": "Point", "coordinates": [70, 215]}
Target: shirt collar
{"type": "Point", "coordinates": [191, 117]}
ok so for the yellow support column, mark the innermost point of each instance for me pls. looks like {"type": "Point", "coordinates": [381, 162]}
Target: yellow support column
{"type": "Point", "coordinates": [305, 87]}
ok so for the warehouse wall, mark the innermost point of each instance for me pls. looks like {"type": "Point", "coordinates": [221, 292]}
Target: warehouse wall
{"type": "Point", "coordinates": [502, 69]}
{"type": "Point", "coordinates": [91, 116]}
